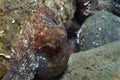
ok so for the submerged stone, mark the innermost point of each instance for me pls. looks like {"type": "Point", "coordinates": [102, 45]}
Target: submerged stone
{"type": "Point", "coordinates": [98, 30]}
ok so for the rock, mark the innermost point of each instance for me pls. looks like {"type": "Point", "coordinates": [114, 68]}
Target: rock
{"type": "Point", "coordinates": [84, 9]}
{"type": "Point", "coordinates": [116, 7]}
{"type": "Point", "coordinates": [110, 5]}
{"type": "Point", "coordinates": [105, 5]}
{"type": "Point", "coordinates": [3, 65]}
{"type": "Point", "coordinates": [15, 16]}
{"type": "Point", "coordinates": [102, 28]}
{"type": "Point", "coordinates": [101, 63]}
{"type": "Point", "coordinates": [64, 9]}
{"type": "Point", "coordinates": [1, 2]}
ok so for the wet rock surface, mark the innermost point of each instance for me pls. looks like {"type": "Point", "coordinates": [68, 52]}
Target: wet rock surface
{"type": "Point", "coordinates": [4, 63]}
{"type": "Point", "coordinates": [105, 5]}
{"type": "Point", "coordinates": [15, 16]}
{"type": "Point", "coordinates": [84, 9]}
{"type": "Point", "coordinates": [64, 9]}
{"type": "Point", "coordinates": [101, 63]}
{"type": "Point", "coordinates": [116, 7]}
{"type": "Point", "coordinates": [100, 29]}
{"type": "Point", "coordinates": [110, 5]}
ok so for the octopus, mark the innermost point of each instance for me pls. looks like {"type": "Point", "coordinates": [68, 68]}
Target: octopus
{"type": "Point", "coordinates": [41, 50]}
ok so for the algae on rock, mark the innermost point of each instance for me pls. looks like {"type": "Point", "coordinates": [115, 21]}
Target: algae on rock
{"type": "Point", "coordinates": [64, 9]}
{"type": "Point", "coordinates": [102, 63]}
{"type": "Point", "coordinates": [99, 29]}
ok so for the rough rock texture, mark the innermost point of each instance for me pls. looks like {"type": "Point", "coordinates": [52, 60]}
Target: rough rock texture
{"type": "Point", "coordinates": [64, 9]}
{"type": "Point", "coordinates": [105, 5]}
{"type": "Point", "coordinates": [101, 63]}
{"type": "Point", "coordinates": [116, 7]}
{"type": "Point", "coordinates": [21, 10]}
{"type": "Point", "coordinates": [102, 28]}
{"type": "Point", "coordinates": [3, 66]}
{"type": "Point", "coordinates": [15, 16]}
{"type": "Point", "coordinates": [1, 2]}
{"type": "Point", "coordinates": [84, 9]}
{"type": "Point", "coordinates": [110, 5]}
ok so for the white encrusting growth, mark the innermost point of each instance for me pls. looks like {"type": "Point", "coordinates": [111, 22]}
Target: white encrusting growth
{"type": "Point", "coordinates": [78, 36]}
{"type": "Point", "coordinates": [86, 3]}
{"type": "Point", "coordinates": [12, 20]}
{"type": "Point", "coordinates": [1, 33]}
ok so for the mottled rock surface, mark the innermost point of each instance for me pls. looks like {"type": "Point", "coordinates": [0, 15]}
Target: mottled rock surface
{"type": "Point", "coordinates": [101, 63]}
{"type": "Point", "coordinates": [102, 28]}
{"type": "Point", "coordinates": [1, 2]}
{"type": "Point", "coordinates": [116, 7]}
{"type": "Point", "coordinates": [64, 9]}
{"type": "Point", "coordinates": [105, 5]}
{"type": "Point", "coordinates": [3, 66]}
{"type": "Point", "coordinates": [110, 5]}
{"type": "Point", "coordinates": [84, 9]}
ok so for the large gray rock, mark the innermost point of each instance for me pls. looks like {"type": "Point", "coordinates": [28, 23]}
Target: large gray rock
{"type": "Point", "coordinates": [100, 29]}
{"type": "Point", "coordinates": [101, 63]}
{"type": "Point", "coordinates": [105, 5]}
{"type": "Point", "coordinates": [110, 5]}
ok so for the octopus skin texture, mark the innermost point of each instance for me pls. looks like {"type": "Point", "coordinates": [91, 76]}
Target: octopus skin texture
{"type": "Point", "coordinates": [41, 51]}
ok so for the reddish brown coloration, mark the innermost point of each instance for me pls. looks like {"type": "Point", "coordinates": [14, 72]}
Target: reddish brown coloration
{"type": "Point", "coordinates": [40, 50]}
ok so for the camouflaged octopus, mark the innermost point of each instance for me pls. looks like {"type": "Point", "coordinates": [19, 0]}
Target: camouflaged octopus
{"type": "Point", "coordinates": [40, 51]}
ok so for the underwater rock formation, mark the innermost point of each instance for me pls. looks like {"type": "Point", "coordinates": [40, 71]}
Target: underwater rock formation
{"type": "Point", "coordinates": [41, 50]}
{"type": "Point", "coordinates": [1, 3]}
{"type": "Point", "coordinates": [84, 8]}
{"type": "Point", "coordinates": [99, 29]}
{"type": "Point", "coordinates": [109, 5]}
{"type": "Point", "coordinates": [105, 5]}
{"type": "Point", "coordinates": [102, 63]}
{"type": "Point", "coordinates": [3, 65]}
{"type": "Point", "coordinates": [64, 9]}
{"type": "Point", "coordinates": [116, 7]}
